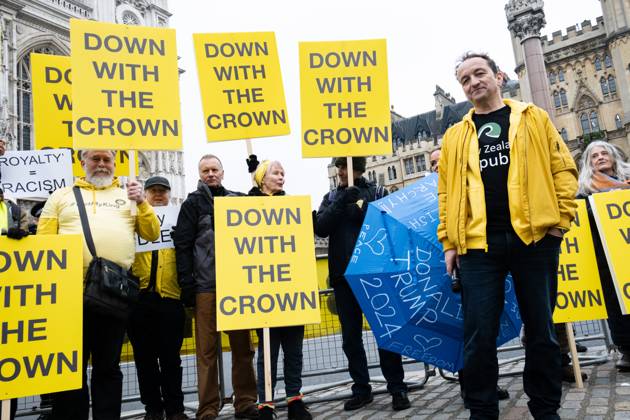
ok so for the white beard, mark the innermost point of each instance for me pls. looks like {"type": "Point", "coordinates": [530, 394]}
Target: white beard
{"type": "Point", "coordinates": [100, 180]}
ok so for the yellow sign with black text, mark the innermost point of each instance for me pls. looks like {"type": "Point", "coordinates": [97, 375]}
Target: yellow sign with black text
{"type": "Point", "coordinates": [125, 87]}
{"type": "Point", "coordinates": [612, 214]}
{"type": "Point", "coordinates": [52, 110]}
{"type": "Point", "coordinates": [580, 296]}
{"type": "Point", "coordinates": [41, 320]}
{"type": "Point", "coordinates": [345, 98]}
{"type": "Point", "coordinates": [241, 85]}
{"type": "Point", "coordinates": [265, 262]}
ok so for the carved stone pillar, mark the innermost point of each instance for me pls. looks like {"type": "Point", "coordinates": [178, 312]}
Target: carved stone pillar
{"type": "Point", "coordinates": [525, 20]}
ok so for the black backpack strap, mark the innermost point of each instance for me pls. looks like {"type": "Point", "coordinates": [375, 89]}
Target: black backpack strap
{"type": "Point", "coordinates": [154, 267]}
{"type": "Point", "coordinates": [84, 221]}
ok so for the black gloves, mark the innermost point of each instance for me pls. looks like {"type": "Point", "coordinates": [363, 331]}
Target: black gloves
{"type": "Point", "coordinates": [351, 195]}
{"type": "Point", "coordinates": [16, 233]}
{"type": "Point", "coordinates": [252, 163]}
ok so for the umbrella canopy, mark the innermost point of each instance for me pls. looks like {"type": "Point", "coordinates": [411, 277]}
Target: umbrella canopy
{"type": "Point", "coordinates": [399, 278]}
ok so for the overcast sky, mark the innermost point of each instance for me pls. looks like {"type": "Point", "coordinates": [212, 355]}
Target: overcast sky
{"type": "Point", "coordinates": [424, 39]}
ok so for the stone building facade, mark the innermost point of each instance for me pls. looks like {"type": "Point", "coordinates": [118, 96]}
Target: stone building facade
{"type": "Point", "coordinates": [42, 26]}
{"type": "Point", "coordinates": [587, 70]}
{"type": "Point", "coordinates": [586, 79]}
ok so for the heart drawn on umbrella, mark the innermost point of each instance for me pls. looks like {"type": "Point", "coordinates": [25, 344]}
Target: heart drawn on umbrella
{"type": "Point", "coordinates": [376, 242]}
{"type": "Point", "coordinates": [425, 344]}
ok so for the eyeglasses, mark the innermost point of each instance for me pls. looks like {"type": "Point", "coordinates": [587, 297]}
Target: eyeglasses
{"type": "Point", "coordinates": [434, 162]}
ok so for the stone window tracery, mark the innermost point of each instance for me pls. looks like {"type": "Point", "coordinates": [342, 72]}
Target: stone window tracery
{"type": "Point", "coordinates": [563, 98]}
{"type": "Point", "coordinates": [24, 96]}
{"type": "Point", "coordinates": [607, 61]}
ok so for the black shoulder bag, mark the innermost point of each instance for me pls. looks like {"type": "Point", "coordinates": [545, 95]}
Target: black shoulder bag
{"type": "Point", "coordinates": [109, 289]}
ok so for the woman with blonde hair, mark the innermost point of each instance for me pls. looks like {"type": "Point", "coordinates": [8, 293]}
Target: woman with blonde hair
{"type": "Point", "coordinates": [603, 169]}
{"type": "Point", "coordinates": [269, 178]}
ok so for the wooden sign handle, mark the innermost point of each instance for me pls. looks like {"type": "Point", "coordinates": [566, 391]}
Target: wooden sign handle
{"type": "Point", "coordinates": [132, 177]}
{"type": "Point", "coordinates": [350, 171]}
{"type": "Point", "coordinates": [267, 362]}
{"type": "Point", "coordinates": [575, 361]}
{"type": "Point", "coordinates": [6, 410]}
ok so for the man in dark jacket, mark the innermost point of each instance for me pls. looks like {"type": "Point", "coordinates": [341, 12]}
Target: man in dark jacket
{"type": "Point", "coordinates": [194, 250]}
{"type": "Point", "coordinates": [339, 218]}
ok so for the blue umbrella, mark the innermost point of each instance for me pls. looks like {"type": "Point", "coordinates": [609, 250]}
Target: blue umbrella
{"type": "Point", "coordinates": [398, 276]}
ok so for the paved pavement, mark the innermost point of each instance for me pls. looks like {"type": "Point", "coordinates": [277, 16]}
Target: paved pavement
{"type": "Point", "coordinates": [606, 395]}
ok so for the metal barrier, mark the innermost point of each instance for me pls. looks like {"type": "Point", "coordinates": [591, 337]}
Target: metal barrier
{"type": "Point", "coordinates": [325, 365]}
{"type": "Point", "coordinates": [584, 331]}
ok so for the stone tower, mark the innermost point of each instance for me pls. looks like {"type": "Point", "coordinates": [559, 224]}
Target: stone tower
{"type": "Point", "coordinates": [525, 20]}
{"type": "Point", "coordinates": [43, 26]}
{"type": "Point", "coordinates": [616, 15]}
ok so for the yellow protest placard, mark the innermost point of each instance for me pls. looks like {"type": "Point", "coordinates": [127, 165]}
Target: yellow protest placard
{"type": "Point", "coordinates": [125, 87]}
{"type": "Point", "coordinates": [580, 296]}
{"type": "Point", "coordinates": [241, 85]}
{"type": "Point", "coordinates": [52, 110]}
{"type": "Point", "coordinates": [612, 214]}
{"type": "Point", "coordinates": [265, 262]}
{"type": "Point", "coordinates": [41, 327]}
{"type": "Point", "coordinates": [345, 98]}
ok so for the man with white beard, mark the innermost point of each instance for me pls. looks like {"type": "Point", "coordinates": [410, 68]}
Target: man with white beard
{"type": "Point", "coordinates": [112, 226]}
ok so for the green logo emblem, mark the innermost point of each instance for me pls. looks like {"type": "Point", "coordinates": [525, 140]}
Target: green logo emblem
{"type": "Point", "coordinates": [491, 130]}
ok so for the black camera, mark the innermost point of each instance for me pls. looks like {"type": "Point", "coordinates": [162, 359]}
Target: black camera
{"type": "Point", "coordinates": [456, 283]}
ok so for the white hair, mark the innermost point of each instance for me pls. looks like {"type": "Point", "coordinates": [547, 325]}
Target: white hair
{"type": "Point", "coordinates": [621, 169]}
{"type": "Point", "coordinates": [272, 164]}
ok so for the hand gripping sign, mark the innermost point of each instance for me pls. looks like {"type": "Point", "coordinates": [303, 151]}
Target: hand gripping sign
{"type": "Point", "coordinates": [265, 263]}
{"type": "Point", "coordinates": [241, 85]}
{"type": "Point", "coordinates": [125, 87]}
{"type": "Point", "coordinates": [580, 296]}
{"type": "Point", "coordinates": [41, 328]}
{"type": "Point", "coordinates": [345, 98]}
{"type": "Point", "coordinates": [52, 110]}
{"type": "Point", "coordinates": [612, 214]}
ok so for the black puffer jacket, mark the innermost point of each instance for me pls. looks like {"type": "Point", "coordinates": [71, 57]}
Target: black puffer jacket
{"type": "Point", "coordinates": [341, 223]}
{"type": "Point", "coordinates": [194, 239]}
{"type": "Point", "coordinates": [257, 192]}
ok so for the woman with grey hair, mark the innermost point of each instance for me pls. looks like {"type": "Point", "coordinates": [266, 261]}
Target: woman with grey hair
{"type": "Point", "coordinates": [603, 169]}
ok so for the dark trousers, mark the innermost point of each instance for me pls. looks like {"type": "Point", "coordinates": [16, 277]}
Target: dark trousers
{"type": "Point", "coordinates": [156, 332]}
{"type": "Point", "coordinates": [618, 323]}
{"type": "Point", "coordinates": [290, 338]}
{"type": "Point", "coordinates": [102, 339]}
{"type": "Point", "coordinates": [351, 319]}
{"type": "Point", "coordinates": [534, 270]}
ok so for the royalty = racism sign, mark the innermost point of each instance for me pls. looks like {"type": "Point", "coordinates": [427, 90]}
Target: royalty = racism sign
{"type": "Point", "coordinates": [35, 173]}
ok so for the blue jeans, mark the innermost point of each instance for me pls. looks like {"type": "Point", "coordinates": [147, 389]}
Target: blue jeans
{"type": "Point", "coordinates": [534, 269]}
{"type": "Point", "coordinates": [290, 338]}
{"type": "Point", "coordinates": [351, 319]}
